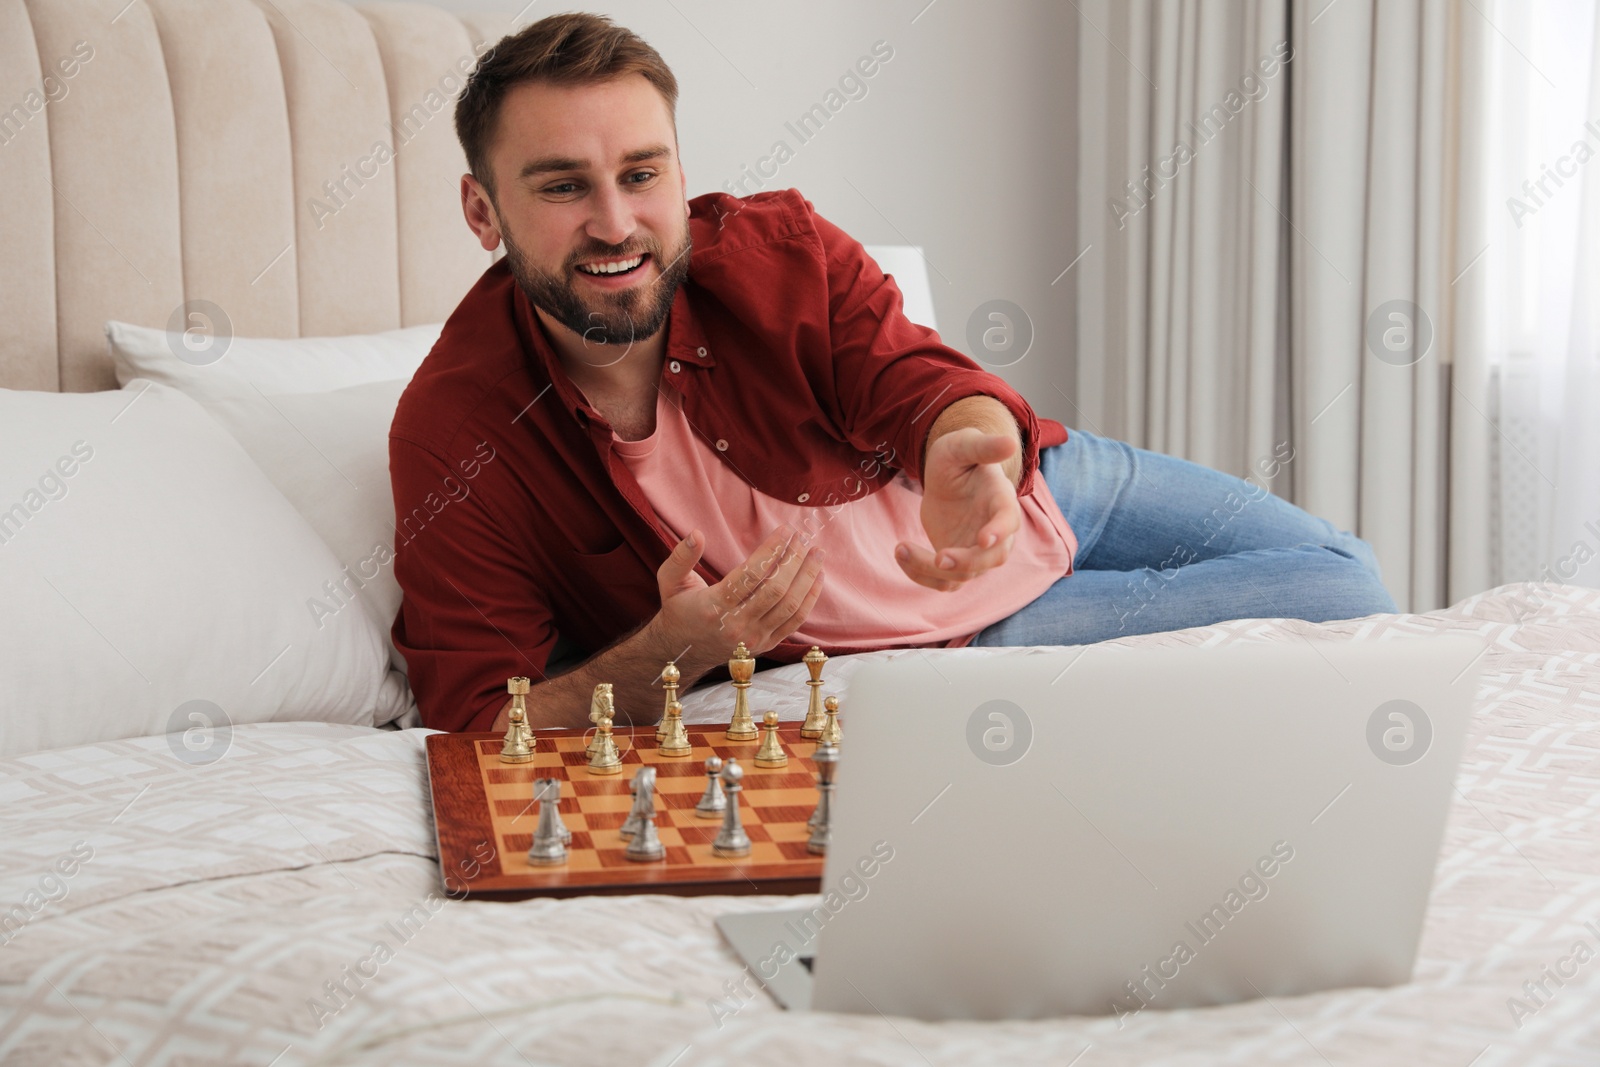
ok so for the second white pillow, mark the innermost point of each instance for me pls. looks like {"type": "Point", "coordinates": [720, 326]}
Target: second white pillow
{"type": "Point", "coordinates": [314, 413]}
{"type": "Point", "coordinates": [148, 567]}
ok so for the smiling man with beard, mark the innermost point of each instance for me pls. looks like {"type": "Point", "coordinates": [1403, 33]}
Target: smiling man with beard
{"type": "Point", "coordinates": [690, 406]}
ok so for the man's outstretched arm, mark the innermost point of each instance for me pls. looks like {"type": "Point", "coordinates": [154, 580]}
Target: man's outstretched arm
{"type": "Point", "coordinates": [986, 414]}
{"type": "Point", "coordinates": [972, 466]}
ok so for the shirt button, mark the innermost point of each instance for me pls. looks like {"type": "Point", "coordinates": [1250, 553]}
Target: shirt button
{"type": "Point", "coordinates": [722, 446]}
{"type": "Point", "coordinates": [803, 497]}
{"type": "Point", "coordinates": [700, 352]}
{"type": "Point", "coordinates": [675, 366]}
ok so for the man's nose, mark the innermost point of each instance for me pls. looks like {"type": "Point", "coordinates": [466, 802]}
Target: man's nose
{"type": "Point", "coordinates": [612, 221]}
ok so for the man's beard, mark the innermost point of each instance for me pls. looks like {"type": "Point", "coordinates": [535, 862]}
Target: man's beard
{"type": "Point", "coordinates": [620, 318]}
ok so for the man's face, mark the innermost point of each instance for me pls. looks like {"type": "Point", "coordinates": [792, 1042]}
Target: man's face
{"type": "Point", "coordinates": [587, 178]}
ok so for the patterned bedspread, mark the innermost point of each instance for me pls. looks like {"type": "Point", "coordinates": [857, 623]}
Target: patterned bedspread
{"type": "Point", "coordinates": [282, 905]}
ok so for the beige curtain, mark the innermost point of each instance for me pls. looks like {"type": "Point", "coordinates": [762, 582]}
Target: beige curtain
{"type": "Point", "coordinates": [1278, 211]}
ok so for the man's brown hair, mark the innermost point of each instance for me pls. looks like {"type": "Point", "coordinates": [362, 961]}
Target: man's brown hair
{"type": "Point", "coordinates": [576, 48]}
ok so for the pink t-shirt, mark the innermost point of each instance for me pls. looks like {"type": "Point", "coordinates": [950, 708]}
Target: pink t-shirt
{"type": "Point", "coordinates": [867, 601]}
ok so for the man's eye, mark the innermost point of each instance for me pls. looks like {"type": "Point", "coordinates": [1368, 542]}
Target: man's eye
{"type": "Point", "coordinates": [562, 188]}
{"type": "Point", "coordinates": [642, 176]}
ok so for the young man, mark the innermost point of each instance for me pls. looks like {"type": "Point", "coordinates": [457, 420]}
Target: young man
{"type": "Point", "coordinates": [659, 427]}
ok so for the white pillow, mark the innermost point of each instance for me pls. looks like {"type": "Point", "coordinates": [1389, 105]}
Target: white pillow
{"type": "Point", "coordinates": [328, 453]}
{"type": "Point", "coordinates": [910, 270]}
{"type": "Point", "coordinates": [314, 413]}
{"type": "Point", "coordinates": [147, 568]}
{"type": "Point", "coordinates": [200, 364]}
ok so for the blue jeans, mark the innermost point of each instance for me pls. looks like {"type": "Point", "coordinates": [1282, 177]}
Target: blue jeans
{"type": "Point", "coordinates": [1165, 544]}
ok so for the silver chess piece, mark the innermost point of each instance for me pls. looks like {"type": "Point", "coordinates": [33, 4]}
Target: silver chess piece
{"type": "Point", "coordinates": [550, 837]}
{"type": "Point", "coordinates": [731, 841]}
{"type": "Point", "coordinates": [712, 801]}
{"type": "Point", "coordinates": [645, 843]}
{"type": "Point", "coordinates": [826, 758]}
{"type": "Point", "coordinates": [644, 775]}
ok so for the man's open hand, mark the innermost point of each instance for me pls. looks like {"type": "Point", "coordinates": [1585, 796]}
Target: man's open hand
{"type": "Point", "coordinates": [969, 510]}
{"type": "Point", "coordinates": [761, 601]}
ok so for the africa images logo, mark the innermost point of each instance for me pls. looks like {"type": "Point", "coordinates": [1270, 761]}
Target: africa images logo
{"type": "Point", "coordinates": [999, 732]}
{"type": "Point", "coordinates": [1399, 732]}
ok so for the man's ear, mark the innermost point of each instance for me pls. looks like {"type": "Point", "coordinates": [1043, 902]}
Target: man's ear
{"type": "Point", "coordinates": [478, 207]}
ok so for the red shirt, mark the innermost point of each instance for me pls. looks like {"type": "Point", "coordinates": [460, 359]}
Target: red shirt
{"type": "Point", "coordinates": [516, 521]}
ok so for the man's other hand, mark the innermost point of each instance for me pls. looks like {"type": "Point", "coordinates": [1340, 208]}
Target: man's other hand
{"type": "Point", "coordinates": [760, 602]}
{"type": "Point", "coordinates": [969, 510]}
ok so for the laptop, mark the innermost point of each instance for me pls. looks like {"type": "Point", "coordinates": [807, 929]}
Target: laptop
{"type": "Point", "coordinates": [1105, 830]}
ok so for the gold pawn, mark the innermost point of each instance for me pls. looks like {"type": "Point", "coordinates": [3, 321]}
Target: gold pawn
{"type": "Point", "coordinates": [676, 743]}
{"type": "Point", "coordinates": [771, 753]}
{"type": "Point", "coordinates": [606, 760]}
{"type": "Point", "coordinates": [601, 704]}
{"type": "Point", "coordinates": [741, 667]}
{"type": "Point", "coordinates": [518, 745]}
{"type": "Point", "coordinates": [669, 679]}
{"type": "Point", "coordinates": [830, 733]}
{"type": "Point", "coordinates": [815, 721]}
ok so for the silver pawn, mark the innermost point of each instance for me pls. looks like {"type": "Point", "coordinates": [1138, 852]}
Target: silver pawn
{"type": "Point", "coordinates": [821, 821]}
{"type": "Point", "coordinates": [550, 837]}
{"type": "Point", "coordinates": [712, 801]}
{"type": "Point", "coordinates": [645, 844]}
{"type": "Point", "coordinates": [630, 825]}
{"type": "Point", "coordinates": [731, 842]}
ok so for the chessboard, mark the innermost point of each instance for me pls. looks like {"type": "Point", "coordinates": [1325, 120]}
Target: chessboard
{"type": "Point", "coordinates": [485, 816]}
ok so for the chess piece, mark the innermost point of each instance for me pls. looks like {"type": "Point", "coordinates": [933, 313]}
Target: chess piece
{"type": "Point", "coordinates": [741, 667]}
{"type": "Point", "coordinates": [550, 837]}
{"type": "Point", "coordinates": [712, 801]}
{"type": "Point", "coordinates": [676, 742]}
{"type": "Point", "coordinates": [606, 759]}
{"type": "Point", "coordinates": [830, 732]}
{"type": "Point", "coordinates": [821, 822]}
{"type": "Point", "coordinates": [669, 681]}
{"type": "Point", "coordinates": [645, 846]}
{"type": "Point", "coordinates": [731, 841]}
{"type": "Point", "coordinates": [518, 745]}
{"type": "Point", "coordinates": [815, 720]}
{"type": "Point", "coordinates": [561, 827]}
{"type": "Point", "coordinates": [601, 704]}
{"type": "Point", "coordinates": [645, 776]}
{"type": "Point", "coordinates": [771, 753]}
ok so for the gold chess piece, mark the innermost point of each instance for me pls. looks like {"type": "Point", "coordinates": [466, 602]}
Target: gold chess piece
{"type": "Point", "coordinates": [741, 667]}
{"type": "Point", "coordinates": [676, 743]}
{"type": "Point", "coordinates": [606, 760]}
{"type": "Point", "coordinates": [815, 720]}
{"type": "Point", "coordinates": [669, 680]}
{"type": "Point", "coordinates": [601, 705]}
{"type": "Point", "coordinates": [771, 753]}
{"type": "Point", "coordinates": [518, 746]}
{"type": "Point", "coordinates": [830, 732]}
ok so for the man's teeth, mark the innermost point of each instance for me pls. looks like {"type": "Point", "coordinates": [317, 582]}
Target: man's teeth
{"type": "Point", "coordinates": [614, 267]}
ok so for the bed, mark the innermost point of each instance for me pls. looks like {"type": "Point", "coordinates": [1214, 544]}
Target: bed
{"type": "Point", "coordinates": [217, 905]}
{"type": "Point", "coordinates": [213, 794]}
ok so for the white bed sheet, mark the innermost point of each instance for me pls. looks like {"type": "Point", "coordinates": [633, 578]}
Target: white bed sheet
{"type": "Point", "coordinates": [220, 898]}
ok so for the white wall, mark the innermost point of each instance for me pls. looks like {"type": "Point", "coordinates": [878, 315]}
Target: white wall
{"type": "Point", "coordinates": [964, 142]}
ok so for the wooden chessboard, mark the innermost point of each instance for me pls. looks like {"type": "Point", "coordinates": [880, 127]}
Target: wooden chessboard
{"type": "Point", "coordinates": [485, 816]}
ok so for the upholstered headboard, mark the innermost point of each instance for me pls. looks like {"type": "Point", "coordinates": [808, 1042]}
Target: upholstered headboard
{"type": "Point", "coordinates": [290, 162]}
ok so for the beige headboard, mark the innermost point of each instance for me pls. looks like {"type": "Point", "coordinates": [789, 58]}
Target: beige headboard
{"type": "Point", "coordinates": [292, 162]}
